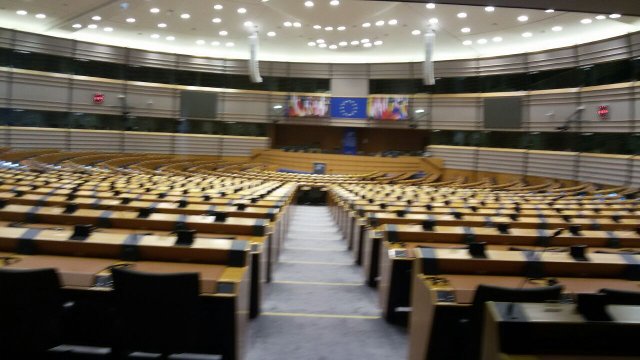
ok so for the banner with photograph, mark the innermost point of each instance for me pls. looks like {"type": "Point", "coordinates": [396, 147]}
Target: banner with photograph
{"type": "Point", "coordinates": [388, 108]}
{"type": "Point", "coordinates": [308, 106]}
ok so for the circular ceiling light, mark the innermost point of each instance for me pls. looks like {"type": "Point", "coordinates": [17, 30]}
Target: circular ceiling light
{"type": "Point", "coordinates": [334, 2]}
{"type": "Point", "coordinates": [523, 18]}
{"type": "Point", "coordinates": [21, 12]}
{"type": "Point", "coordinates": [430, 6]}
{"type": "Point", "coordinates": [92, 26]}
{"type": "Point", "coordinates": [367, 45]}
{"type": "Point", "coordinates": [96, 18]}
{"type": "Point", "coordinates": [217, 7]}
{"type": "Point", "coordinates": [355, 42]}
{"type": "Point", "coordinates": [342, 28]}
{"type": "Point", "coordinates": [155, 36]}
{"type": "Point", "coordinates": [527, 34]}
{"type": "Point", "coordinates": [248, 23]}
{"type": "Point", "coordinates": [496, 39]}
{"type": "Point", "coordinates": [586, 21]}
{"type": "Point", "coordinates": [241, 11]}
{"type": "Point", "coordinates": [392, 22]}
{"type": "Point", "coordinates": [462, 15]}
{"type": "Point", "coordinates": [600, 17]}
{"type": "Point", "coordinates": [131, 20]}
{"type": "Point", "coordinates": [297, 24]}
{"type": "Point", "coordinates": [343, 43]}
{"type": "Point", "coordinates": [215, 43]}
{"type": "Point", "coordinates": [482, 41]}
{"type": "Point", "coordinates": [311, 43]}
{"type": "Point", "coordinates": [108, 29]}
{"type": "Point", "coordinates": [465, 30]}
{"type": "Point", "coordinates": [271, 34]}
{"type": "Point", "coordinates": [379, 22]}
{"type": "Point", "coordinates": [162, 25]}
{"type": "Point", "coordinates": [41, 16]}
{"type": "Point", "coordinates": [200, 42]}
{"type": "Point", "coordinates": [377, 42]}
{"type": "Point", "coordinates": [317, 27]}
{"type": "Point", "coordinates": [467, 42]}
{"type": "Point", "coordinates": [549, 11]}
{"type": "Point", "coordinates": [333, 46]}
{"type": "Point", "coordinates": [308, 3]}
{"type": "Point", "coordinates": [556, 28]}
{"type": "Point", "coordinates": [320, 41]}
{"type": "Point", "coordinates": [229, 44]}
{"type": "Point", "coordinates": [322, 45]}
{"type": "Point", "coordinates": [415, 32]}
{"type": "Point", "coordinates": [154, 10]}
{"type": "Point", "coordinates": [185, 16]}
{"type": "Point", "coordinates": [287, 24]}
{"type": "Point", "coordinates": [489, 9]}
{"type": "Point", "coordinates": [329, 28]}
{"type": "Point", "coordinates": [76, 26]}
{"type": "Point", "coordinates": [216, 20]}
{"type": "Point", "coordinates": [433, 21]}
{"type": "Point", "coordinates": [364, 41]}
{"type": "Point", "coordinates": [615, 16]}
{"type": "Point", "coordinates": [170, 38]}
{"type": "Point", "coordinates": [223, 33]}
{"type": "Point", "coordinates": [366, 25]}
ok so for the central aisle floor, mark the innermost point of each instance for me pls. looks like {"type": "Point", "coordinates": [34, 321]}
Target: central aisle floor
{"type": "Point", "coordinates": [317, 306]}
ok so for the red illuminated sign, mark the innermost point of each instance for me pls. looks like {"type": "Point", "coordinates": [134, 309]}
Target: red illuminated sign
{"type": "Point", "coordinates": [603, 112]}
{"type": "Point", "coordinates": [98, 98]}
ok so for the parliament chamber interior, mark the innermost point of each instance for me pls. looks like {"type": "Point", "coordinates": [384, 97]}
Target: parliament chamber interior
{"type": "Point", "coordinates": [320, 179]}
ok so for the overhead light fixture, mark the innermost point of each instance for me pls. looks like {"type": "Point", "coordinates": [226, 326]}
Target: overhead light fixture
{"type": "Point", "coordinates": [419, 111]}
{"type": "Point", "coordinates": [76, 26]}
{"type": "Point", "coordinates": [366, 25]}
{"type": "Point", "coordinates": [433, 21]}
{"type": "Point", "coordinates": [229, 44]}
{"type": "Point", "coordinates": [21, 12]}
{"type": "Point", "coordinates": [496, 39]}
{"type": "Point", "coordinates": [462, 15]}
{"type": "Point", "coordinates": [170, 38]}
{"type": "Point", "coordinates": [287, 24]}
{"type": "Point", "coordinates": [355, 42]}
{"type": "Point", "coordinates": [615, 16]}
{"type": "Point", "coordinates": [334, 2]}
{"type": "Point", "coordinates": [96, 18]}
{"type": "Point", "coordinates": [329, 28]}
{"type": "Point", "coordinates": [311, 43]}
{"type": "Point", "coordinates": [162, 25]}
{"type": "Point", "coordinates": [154, 10]}
{"type": "Point", "coordinates": [308, 3]}
{"type": "Point", "coordinates": [364, 41]}
{"type": "Point", "coordinates": [131, 20]}
{"type": "Point", "coordinates": [241, 11]}
{"type": "Point", "coordinates": [556, 28]}
{"type": "Point", "coordinates": [317, 27]}
{"type": "Point", "coordinates": [392, 22]}
{"type": "Point", "coordinates": [155, 36]}
{"type": "Point", "coordinates": [377, 42]}
{"type": "Point", "coordinates": [489, 9]}
{"type": "Point", "coordinates": [216, 20]}
{"type": "Point", "coordinates": [277, 107]}
{"type": "Point", "coordinates": [215, 43]}
{"type": "Point", "coordinates": [41, 16]}
{"type": "Point", "coordinates": [586, 21]}
{"type": "Point", "coordinates": [342, 28]}
{"type": "Point", "coordinates": [482, 41]}
{"type": "Point", "coordinates": [320, 41]}
{"type": "Point", "coordinates": [465, 30]}
{"type": "Point", "coordinates": [108, 29]}
{"type": "Point", "coordinates": [271, 34]}
{"type": "Point", "coordinates": [527, 34]}
{"type": "Point", "coordinates": [297, 24]}
{"type": "Point", "coordinates": [223, 33]}
{"type": "Point", "coordinates": [379, 22]}
{"type": "Point", "coordinates": [549, 11]}
{"type": "Point", "coordinates": [523, 18]}
{"type": "Point", "coordinates": [343, 43]}
{"type": "Point", "coordinates": [467, 42]}
{"type": "Point", "coordinates": [92, 26]}
{"type": "Point", "coordinates": [185, 16]}
{"type": "Point", "coordinates": [217, 7]}
{"type": "Point", "coordinates": [600, 17]}
{"type": "Point", "coordinates": [367, 45]}
{"type": "Point", "coordinates": [333, 46]}
{"type": "Point", "coordinates": [416, 32]}
{"type": "Point", "coordinates": [430, 6]}
{"type": "Point", "coordinates": [322, 45]}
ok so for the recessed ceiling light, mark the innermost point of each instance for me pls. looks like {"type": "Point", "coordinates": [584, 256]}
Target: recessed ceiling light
{"type": "Point", "coordinates": [465, 30]}
{"type": "Point", "coordinates": [217, 7]}
{"type": "Point", "coordinates": [154, 10]}
{"type": "Point", "coordinates": [317, 27]}
{"type": "Point", "coordinates": [108, 29]}
{"type": "Point", "coordinates": [287, 24]}
{"type": "Point", "coordinates": [527, 34]}
{"type": "Point", "coordinates": [586, 21]}
{"type": "Point", "coordinates": [433, 21]}
{"type": "Point", "coordinates": [320, 41]}
{"type": "Point", "coordinates": [229, 44]}
{"type": "Point", "coordinates": [334, 2]}
{"type": "Point", "coordinates": [333, 46]}
{"type": "Point", "coordinates": [523, 18]}
{"type": "Point", "coordinates": [431, 6]}
{"type": "Point", "coordinates": [248, 23]}
{"type": "Point", "coordinates": [489, 9]}
{"type": "Point", "coordinates": [392, 22]}
{"type": "Point", "coordinates": [170, 38]}
{"type": "Point", "coordinates": [92, 26]}
{"type": "Point", "coordinates": [600, 17]}
{"type": "Point", "coordinates": [41, 16]}
{"type": "Point", "coordinates": [271, 34]}
{"type": "Point", "coordinates": [223, 33]}
{"type": "Point", "coordinates": [76, 26]}
{"type": "Point", "coordinates": [241, 10]}
{"type": "Point", "coordinates": [308, 3]}
{"type": "Point", "coordinates": [366, 25]}
{"type": "Point", "coordinates": [462, 15]}
{"type": "Point", "coordinates": [342, 28]}
{"type": "Point", "coordinates": [496, 39]}
{"type": "Point", "coordinates": [155, 36]}
{"type": "Point", "coordinates": [367, 45]}
{"type": "Point", "coordinates": [377, 42]}
{"type": "Point", "coordinates": [216, 20]}
{"type": "Point", "coordinates": [162, 25]}
{"type": "Point", "coordinates": [322, 45]}
{"type": "Point", "coordinates": [549, 11]}
{"type": "Point", "coordinates": [467, 42]}
{"type": "Point", "coordinates": [364, 41]}
{"type": "Point", "coordinates": [21, 12]}
{"type": "Point", "coordinates": [556, 28]}
{"type": "Point", "coordinates": [343, 43]}
{"type": "Point", "coordinates": [185, 16]}
{"type": "Point", "coordinates": [615, 16]}
{"type": "Point", "coordinates": [482, 41]}
{"type": "Point", "coordinates": [215, 43]}
{"type": "Point", "coordinates": [96, 18]}
{"type": "Point", "coordinates": [200, 42]}
{"type": "Point", "coordinates": [379, 22]}
{"type": "Point", "coordinates": [131, 20]}
{"type": "Point", "coordinates": [415, 32]}
{"type": "Point", "coordinates": [329, 28]}
{"type": "Point", "coordinates": [297, 24]}
{"type": "Point", "coordinates": [311, 43]}
{"type": "Point", "coordinates": [355, 42]}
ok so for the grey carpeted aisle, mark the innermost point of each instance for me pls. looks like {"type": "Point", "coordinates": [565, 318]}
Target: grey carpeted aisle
{"type": "Point", "coordinates": [317, 306]}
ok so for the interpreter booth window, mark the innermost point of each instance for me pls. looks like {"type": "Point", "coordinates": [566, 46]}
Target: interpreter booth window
{"type": "Point", "coordinates": [21, 59]}
{"type": "Point", "coordinates": [102, 69]}
{"type": "Point", "coordinates": [34, 118]}
{"type": "Point", "coordinates": [96, 121]}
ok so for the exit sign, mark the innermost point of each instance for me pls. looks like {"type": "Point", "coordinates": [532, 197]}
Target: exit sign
{"type": "Point", "coordinates": [603, 112]}
{"type": "Point", "coordinates": [98, 98]}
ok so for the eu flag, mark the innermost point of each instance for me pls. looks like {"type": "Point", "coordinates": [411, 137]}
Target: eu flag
{"type": "Point", "coordinates": [349, 108]}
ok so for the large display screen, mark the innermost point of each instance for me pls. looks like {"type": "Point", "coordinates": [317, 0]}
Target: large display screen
{"type": "Point", "coordinates": [388, 108]}
{"type": "Point", "coordinates": [308, 106]}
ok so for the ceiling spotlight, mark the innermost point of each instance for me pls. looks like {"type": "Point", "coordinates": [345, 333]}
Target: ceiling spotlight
{"type": "Point", "coordinates": [615, 16]}
{"type": "Point", "coordinates": [92, 26]}
{"type": "Point", "coordinates": [216, 20]}
{"type": "Point", "coordinates": [556, 28]}
{"type": "Point", "coordinates": [41, 16]}
{"type": "Point", "coordinates": [416, 32]}
{"type": "Point", "coordinates": [320, 41]}
{"type": "Point", "coordinates": [271, 34]}
{"type": "Point", "coordinates": [600, 17]}
{"type": "Point", "coordinates": [217, 7]}
{"type": "Point", "coordinates": [523, 18]}
{"type": "Point", "coordinates": [392, 22]}
{"type": "Point", "coordinates": [467, 42]}
{"type": "Point", "coordinates": [215, 43]}
{"type": "Point", "coordinates": [297, 24]}
{"type": "Point", "coordinates": [497, 39]}
{"type": "Point", "coordinates": [200, 42]}
{"type": "Point", "coordinates": [343, 43]}
{"type": "Point", "coordinates": [154, 10]}
{"type": "Point", "coordinates": [329, 28]}
{"type": "Point", "coordinates": [155, 36]}
{"type": "Point", "coordinates": [379, 22]}
{"type": "Point", "coordinates": [317, 27]}
{"type": "Point", "coordinates": [489, 9]}
{"type": "Point", "coordinates": [334, 2]}
{"type": "Point", "coordinates": [162, 25]}
{"type": "Point", "coordinates": [482, 41]}
{"type": "Point", "coordinates": [308, 3]}
{"type": "Point", "coordinates": [96, 18]}
{"type": "Point", "coordinates": [465, 30]}
{"type": "Point", "coordinates": [170, 38]}
{"type": "Point", "coordinates": [462, 15]}
{"type": "Point", "coordinates": [229, 44]}
{"type": "Point", "coordinates": [366, 25]}
{"type": "Point", "coordinates": [527, 34]}
{"type": "Point", "coordinates": [287, 24]}
{"type": "Point", "coordinates": [248, 23]}
{"type": "Point", "coordinates": [322, 45]}
{"type": "Point", "coordinates": [131, 20]}
{"type": "Point", "coordinates": [108, 29]}
{"type": "Point", "coordinates": [76, 26]}
{"type": "Point", "coordinates": [223, 33]}
{"type": "Point", "coordinates": [431, 6]}
{"type": "Point", "coordinates": [355, 42]}
{"type": "Point", "coordinates": [549, 11]}
{"type": "Point", "coordinates": [311, 43]}
{"type": "Point", "coordinates": [185, 16]}
{"type": "Point", "coordinates": [342, 28]}
{"type": "Point", "coordinates": [21, 12]}
{"type": "Point", "coordinates": [333, 46]}
{"type": "Point", "coordinates": [377, 42]}
{"type": "Point", "coordinates": [586, 21]}
{"type": "Point", "coordinates": [241, 10]}
{"type": "Point", "coordinates": [433, 21]}
{"type": "Point", "coordinates": [367, 45]}
{"type": "Point", "coordinates": [364, 41]}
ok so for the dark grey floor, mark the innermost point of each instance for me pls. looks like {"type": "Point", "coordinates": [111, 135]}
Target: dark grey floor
{"type": "Point", "coordinates": [317, 306]}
